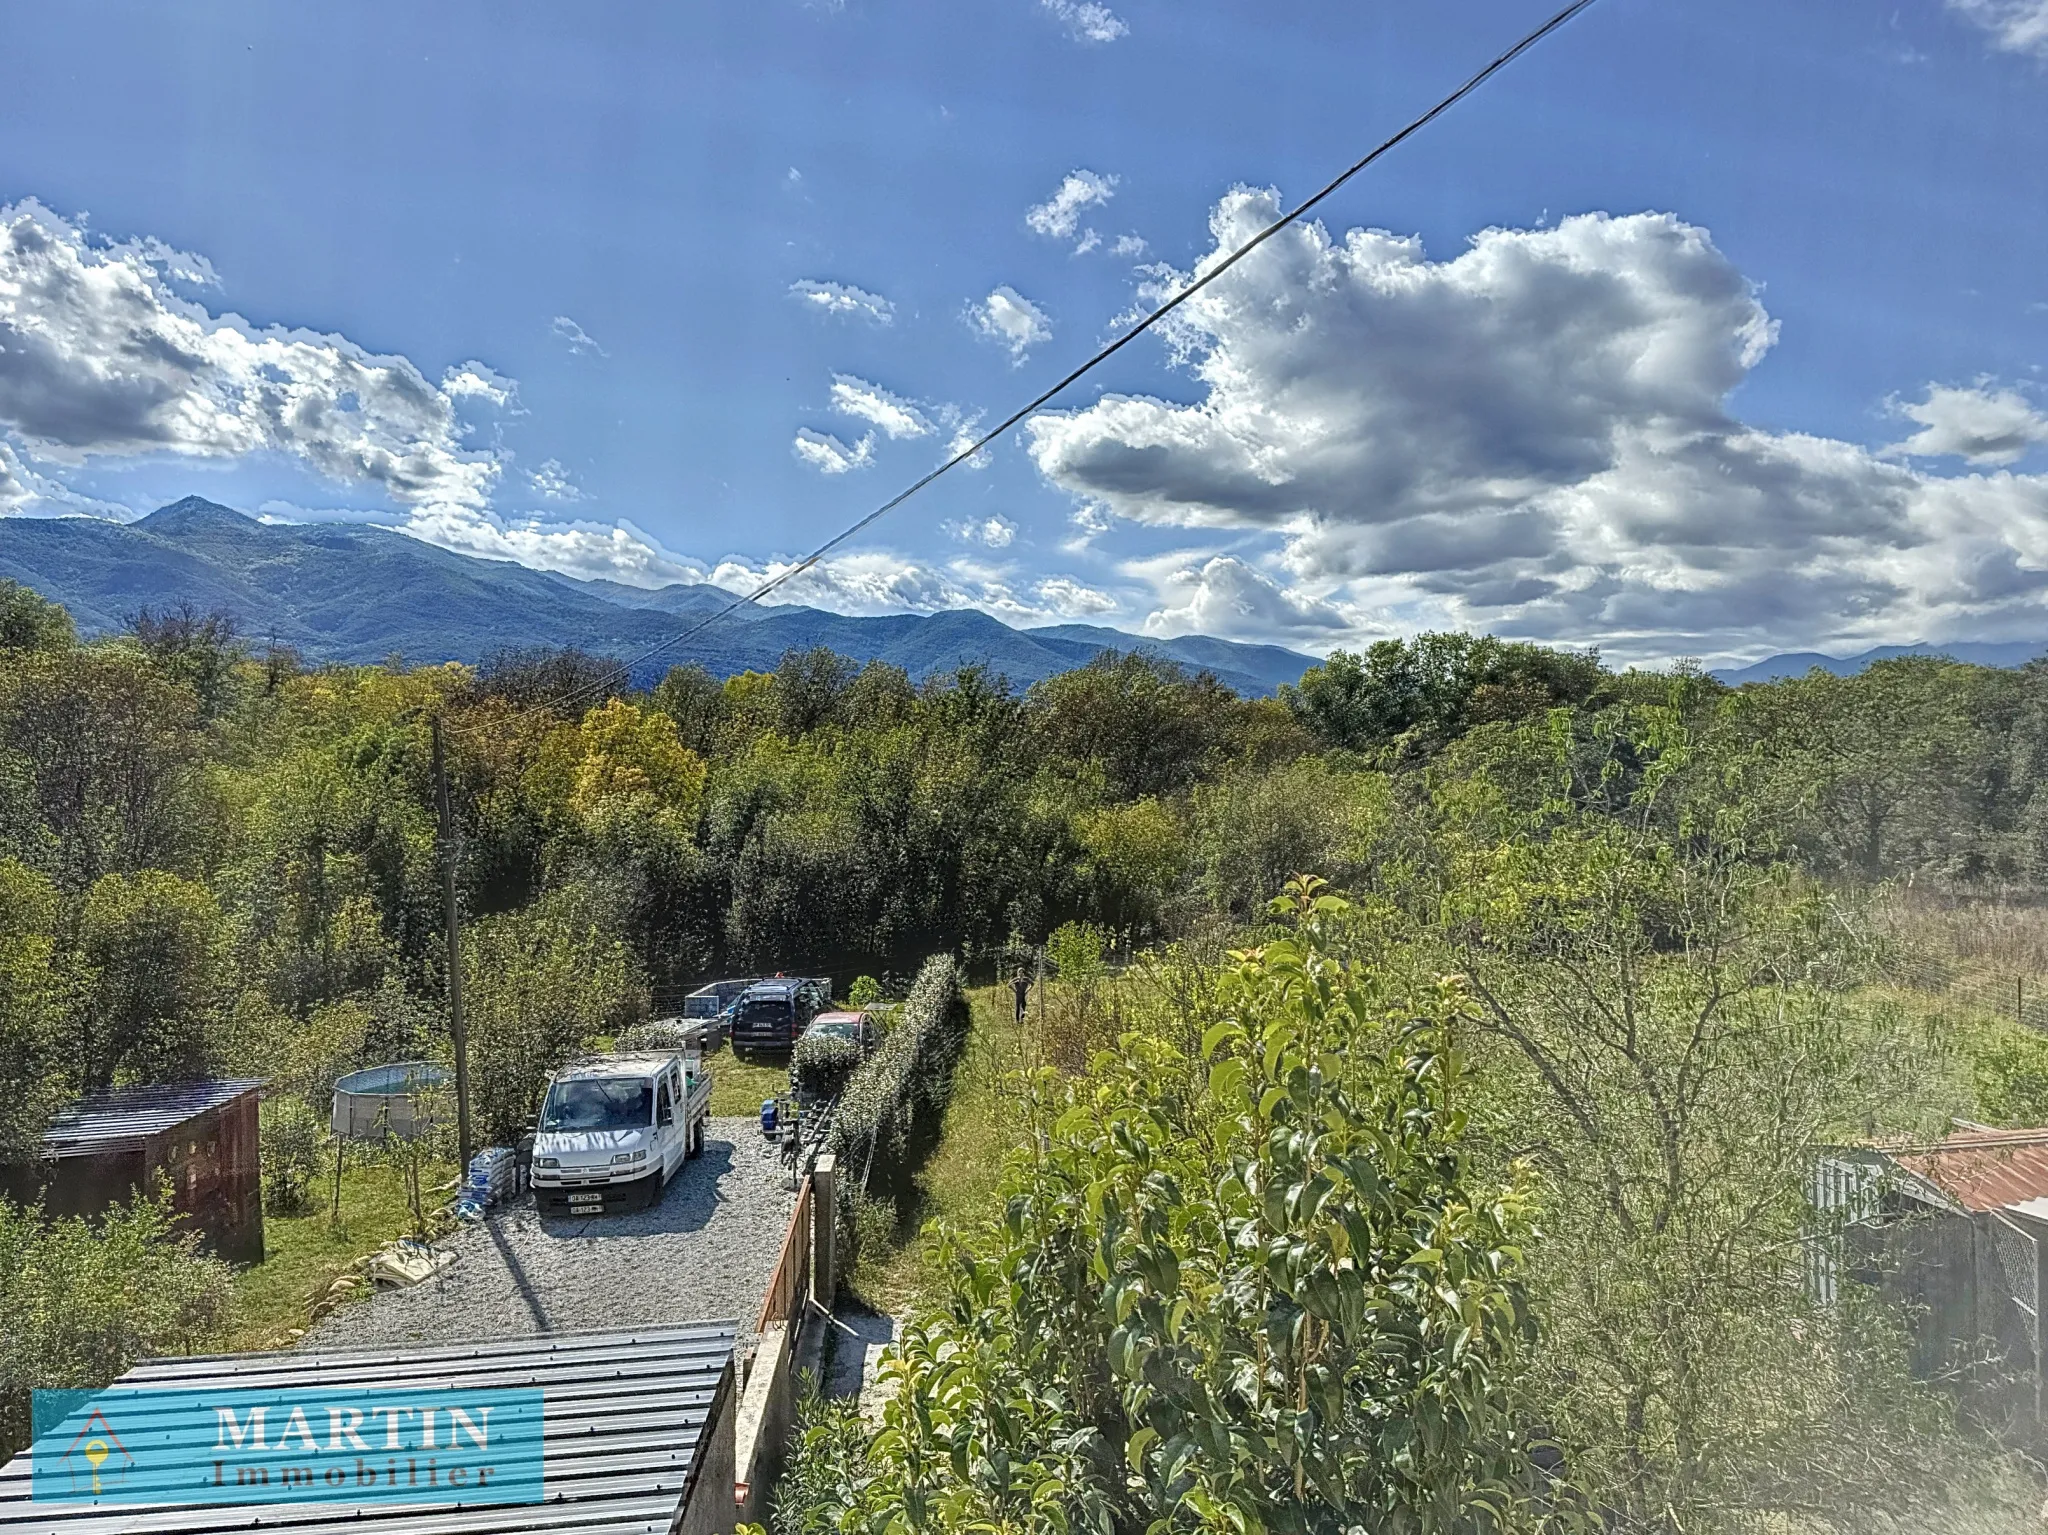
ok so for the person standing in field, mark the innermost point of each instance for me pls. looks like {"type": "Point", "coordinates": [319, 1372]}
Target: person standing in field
{"type": "Point", "coordinates": [1020, 987]}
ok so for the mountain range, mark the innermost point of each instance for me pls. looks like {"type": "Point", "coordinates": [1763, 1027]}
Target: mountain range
{"type": "Point", "coordinates": [353, 593]}
{"type": "Point", "coordinates": [1799, 663]}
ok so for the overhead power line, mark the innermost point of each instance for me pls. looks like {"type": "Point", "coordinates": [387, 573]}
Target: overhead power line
{"type": "Point", "coordinates": [1039, 401]}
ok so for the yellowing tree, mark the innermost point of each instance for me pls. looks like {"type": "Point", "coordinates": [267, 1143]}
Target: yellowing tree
{"type": "Point", "coordinates": [630, 751]}
{"type": "Point", "coordinates": [623, 761]}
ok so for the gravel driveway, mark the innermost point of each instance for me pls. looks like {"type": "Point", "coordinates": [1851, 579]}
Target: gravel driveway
{"type": "Point", "coordinates": [704, 1253]}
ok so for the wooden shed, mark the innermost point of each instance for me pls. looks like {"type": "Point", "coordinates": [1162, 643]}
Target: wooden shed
{"type": "Point", "coordinates": [200, 1138]}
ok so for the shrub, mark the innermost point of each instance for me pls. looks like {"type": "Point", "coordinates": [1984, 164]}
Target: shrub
{"type": "Point", "coordinates": [1076, 949]}
{"type": "Point", "coordinates": [895, 1102]}
{"type": "Point", "coordinates": [1263, 1289]}
{"type": "Point", "coordinates": [83, 1300]}
{"type": "Point", "coordinates": [866, 991]}
{"type": "Point", "coordinates": [821, 1064]}
{"type": "Point", "coordinates": [661, 1034]}
{"type": "Point", "coordinates": [291, 1155]}
{"type": "Point", "coordinates": [828, 1437]}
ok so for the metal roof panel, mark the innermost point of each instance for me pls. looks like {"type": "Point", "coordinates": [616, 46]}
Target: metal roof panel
{"type": "Point", "coordinates": [1983, 1170]}
{"type": "Point", "coordinates": [104, 1121]}
{"type": "Point", "coordinates": [625, 1414]}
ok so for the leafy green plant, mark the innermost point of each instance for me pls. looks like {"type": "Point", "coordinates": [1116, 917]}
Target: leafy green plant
{"type": "Point", "coordinates": [85, 1299]}
{"type": "Point", "coordinates": [1264, 1289]}
{"type": "Point", "coordinates": [291, 1138]}
{"type": "Point", "coordinates": [866, 991]}
{"type": "Point", "coordinates": [1076, 949]}
{"type": "Point", "coordinates": [827, 1436]}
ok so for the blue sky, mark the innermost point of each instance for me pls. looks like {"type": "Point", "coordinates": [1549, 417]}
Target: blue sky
{"type": "Point", "coordinates": [1702, 331]}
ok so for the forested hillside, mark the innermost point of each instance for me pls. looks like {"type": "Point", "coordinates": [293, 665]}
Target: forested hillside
{"type": "Point", "coordinates": [352, 592]}
{"type": "Point", "coordinates": [1608, 968]}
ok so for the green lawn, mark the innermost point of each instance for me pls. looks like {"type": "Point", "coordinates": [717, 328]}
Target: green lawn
{"type": "Point", "coordinates": [304, 1254]}
{"type": "Point", "coordinates": [737, 1086]}
{"type": "Point", "coordinates": [983, 1123]}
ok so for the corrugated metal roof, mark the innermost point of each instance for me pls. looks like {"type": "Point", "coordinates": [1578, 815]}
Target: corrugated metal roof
{"type": "Point", "coordinates": [1979, 1170]}
{"type": "Point", "coordinates": [130, 1114]}
{"type": "Point", "coordinates": [624, 1415]}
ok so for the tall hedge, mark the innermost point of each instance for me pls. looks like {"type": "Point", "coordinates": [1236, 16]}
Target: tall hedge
{"type": "Point", "coordinates": [890, 1114]}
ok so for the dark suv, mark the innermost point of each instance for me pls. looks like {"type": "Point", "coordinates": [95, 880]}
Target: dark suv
{"type": "Point", "coordinates": [772, 1015]}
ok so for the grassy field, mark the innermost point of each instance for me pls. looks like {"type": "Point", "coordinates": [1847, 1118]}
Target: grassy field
{"type": "Point", "coordinates": [737, 1086]}
{"type": "Point", "coordinates": [304, 1254]}
{"type": "Point", "coordinates": [983, 1122]}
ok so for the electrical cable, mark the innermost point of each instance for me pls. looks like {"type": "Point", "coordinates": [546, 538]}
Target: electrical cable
{"type": "Point", "coordinates": [626, 668]}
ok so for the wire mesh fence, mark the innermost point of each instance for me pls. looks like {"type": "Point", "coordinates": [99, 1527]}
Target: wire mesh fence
{"type": "Point", "coordinates": [2021, 997]}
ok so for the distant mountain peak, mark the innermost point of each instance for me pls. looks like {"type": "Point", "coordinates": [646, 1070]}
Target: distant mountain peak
{"type": "Point", "coordinates": [194, 511]}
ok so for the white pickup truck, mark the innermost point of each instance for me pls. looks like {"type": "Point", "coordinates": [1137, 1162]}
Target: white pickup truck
{"type": "Point", "coordinates": [614, 1130]}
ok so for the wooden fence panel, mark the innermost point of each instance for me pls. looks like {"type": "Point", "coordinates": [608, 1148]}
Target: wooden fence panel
{"type": "Point", "coordinates": [790, 1285]}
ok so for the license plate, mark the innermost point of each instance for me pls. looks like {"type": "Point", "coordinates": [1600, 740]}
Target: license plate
{"type": "Point", "coordinates": [586, 1199]}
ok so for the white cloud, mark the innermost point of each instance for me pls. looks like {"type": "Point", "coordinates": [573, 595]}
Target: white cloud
{"type": "Point", "coordinates": [965, 431]}
{"type": "Point", "coordinates": [1224, 596]}
{"type": "Point", "coordinates": [1059, 216]}
{"type": "Point", "coordinates": [828, 455]}
{"type": "Point", "coordinates": [474, 381]}
{"type": "Point", "coordinates": [882, 581]}
{"type": "Point", "coordinates": [1070, 599]}
{"type": "Point", "coordinates": [838, 298]}
{"type": "Point", "coordinates": [992, 532]}
{"type": "Point", "coordinates": [591, 550]}
{"type": "Point", "coordinates": [1087, 21]}
{"type": "Point", "coordinates": [579, 342]}
{"type": "Point", "coordinates": [98, 358]}
{"type": "Point", "coordinates": [867, 582]}
{"type": "Point", "coordinates": [1007, 316]}
{"type": "Point", "coordinates": [1981, 425]}
{"type": "Point", "coordinates": [175, 265]}
{"type": "Point", "coordinates": [1534, 436]}
{"type": "Point", "coordinates": [553, 481]}
{"type": "Point", "coordinates": [1128, 246]}
{"type": "Point", "coordinates": [897, 417]}
{"type": "Point", "coordinates": [15, 492]}
{"type": "Point", "coordinates": [2017, 26]}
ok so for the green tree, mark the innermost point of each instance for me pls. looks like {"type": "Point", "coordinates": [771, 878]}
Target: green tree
{"type": "Point", "coordinates": [202, 651]}
{"type": "Point", "coordinates": [1137, 724]}
{"type": "Point", "coordinates": [99, 767]}
{"type": "Point", "coordinates": [1665, 1026]}
{"type": "Point", "coordinates": [537, 986]}
{"type": "Point", "coordinates": [1134, 856]}
{"type": "Point", "coordinates": [1255, 830]}
{"type": "Point", "coordinates": [151, 947]}
{"type": "Point", "coordinates": [37, 999]}
{"type": "Point", "coordinates": [693, 698]}
{"type": "Point", "coordinates": [30, 621]}
{"type": "Point", "coordinates": [1435, 686]}
{"type": "Point", "coordinates": [1872, 771]}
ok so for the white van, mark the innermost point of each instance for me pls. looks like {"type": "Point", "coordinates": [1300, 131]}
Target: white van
{"type": "Point", "coordinates": [614, 1130]}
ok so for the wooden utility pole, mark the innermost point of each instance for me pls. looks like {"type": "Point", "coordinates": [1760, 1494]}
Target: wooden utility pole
{"type": "Point", "coordinates": [459, 1034]}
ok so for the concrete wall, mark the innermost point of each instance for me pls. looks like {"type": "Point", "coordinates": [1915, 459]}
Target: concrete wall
{"type": "Point", "coordinates": [708, 1508]}
{"type": "Point", "coordinates": [767, 1408]}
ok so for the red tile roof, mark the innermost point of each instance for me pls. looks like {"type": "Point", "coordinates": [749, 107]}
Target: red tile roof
{"type": "Point", "coordinates": [1983, 1169]}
